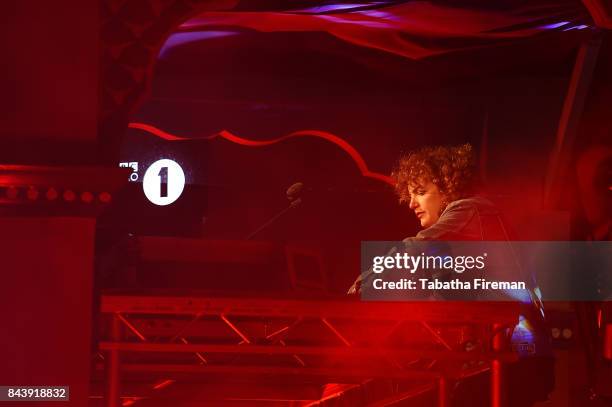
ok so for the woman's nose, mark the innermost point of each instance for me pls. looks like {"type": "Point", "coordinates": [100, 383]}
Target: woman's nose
{"type": "Point", "coordinates": [413, 203]}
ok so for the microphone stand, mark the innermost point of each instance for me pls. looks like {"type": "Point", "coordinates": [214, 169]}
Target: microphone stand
{"type": "Point", "coordinates": [295, 203]}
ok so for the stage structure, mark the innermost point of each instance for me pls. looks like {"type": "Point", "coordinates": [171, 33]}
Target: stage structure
{"type": "Point", "coordinates": [156, 350]}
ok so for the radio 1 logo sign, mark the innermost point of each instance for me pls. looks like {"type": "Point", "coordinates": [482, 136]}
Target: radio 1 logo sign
{"type": "Point", "coordinates": [163, 181]}
{"type": "Point", "coordinates": [134, 166]}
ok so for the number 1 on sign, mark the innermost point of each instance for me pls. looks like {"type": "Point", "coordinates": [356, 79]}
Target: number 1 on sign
{"type": "Point", "coordinates": [163, 182]}
{"type": "Point", "coordinates": [163, 179]}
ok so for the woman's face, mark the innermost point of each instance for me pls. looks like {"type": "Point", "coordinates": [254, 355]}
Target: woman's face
{"type": "Point", "coordinates": [427, 202]}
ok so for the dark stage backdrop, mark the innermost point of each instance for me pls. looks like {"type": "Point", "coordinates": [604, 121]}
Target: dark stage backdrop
{"type": "Point", "coordinates": [262, 87]}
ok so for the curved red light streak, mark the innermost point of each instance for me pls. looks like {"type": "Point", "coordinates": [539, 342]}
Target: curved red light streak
{"type": "Point", "coordinates": [343, 144]}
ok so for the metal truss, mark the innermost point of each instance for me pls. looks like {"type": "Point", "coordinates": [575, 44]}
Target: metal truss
{"type": "Point", "coordinates": [283, 344]}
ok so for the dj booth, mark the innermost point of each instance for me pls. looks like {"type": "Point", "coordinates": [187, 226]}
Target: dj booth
{"type": "Point", "coordinates": [226, 351]}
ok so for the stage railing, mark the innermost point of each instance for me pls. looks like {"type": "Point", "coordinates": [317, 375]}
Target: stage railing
{"type": "Point", "coordinates": [288, 349]}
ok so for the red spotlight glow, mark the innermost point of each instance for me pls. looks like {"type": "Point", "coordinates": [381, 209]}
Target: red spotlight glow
{"type": "Point", "coordinates": [69, 196]}
{"type": "Point", "coordinates": [51, 194]}
{"type": "Point", "coordinates": [32, 194]}
{"type": "Point", "coordinates": [105, 197]}
{"type": "Point", "coordinates": [87, 197]}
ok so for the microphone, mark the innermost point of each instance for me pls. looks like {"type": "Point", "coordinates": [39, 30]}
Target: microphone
{"type": "Point", "coordinates": [294, 195]}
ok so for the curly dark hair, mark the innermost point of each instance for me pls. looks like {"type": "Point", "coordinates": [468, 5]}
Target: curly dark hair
{"type": "Point", "coordinates": [450, 168]}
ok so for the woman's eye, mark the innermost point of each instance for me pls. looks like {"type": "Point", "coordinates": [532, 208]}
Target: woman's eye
{"type": "Point", "coordinates": [421, 192]}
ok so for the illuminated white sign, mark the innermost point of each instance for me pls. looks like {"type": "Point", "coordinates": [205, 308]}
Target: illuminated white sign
{"type": "Point", "coordinates": [163, 182]}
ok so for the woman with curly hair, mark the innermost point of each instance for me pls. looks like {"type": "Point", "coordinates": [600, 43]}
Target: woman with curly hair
{"type": "Point", "coordinates": [439, 185]}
